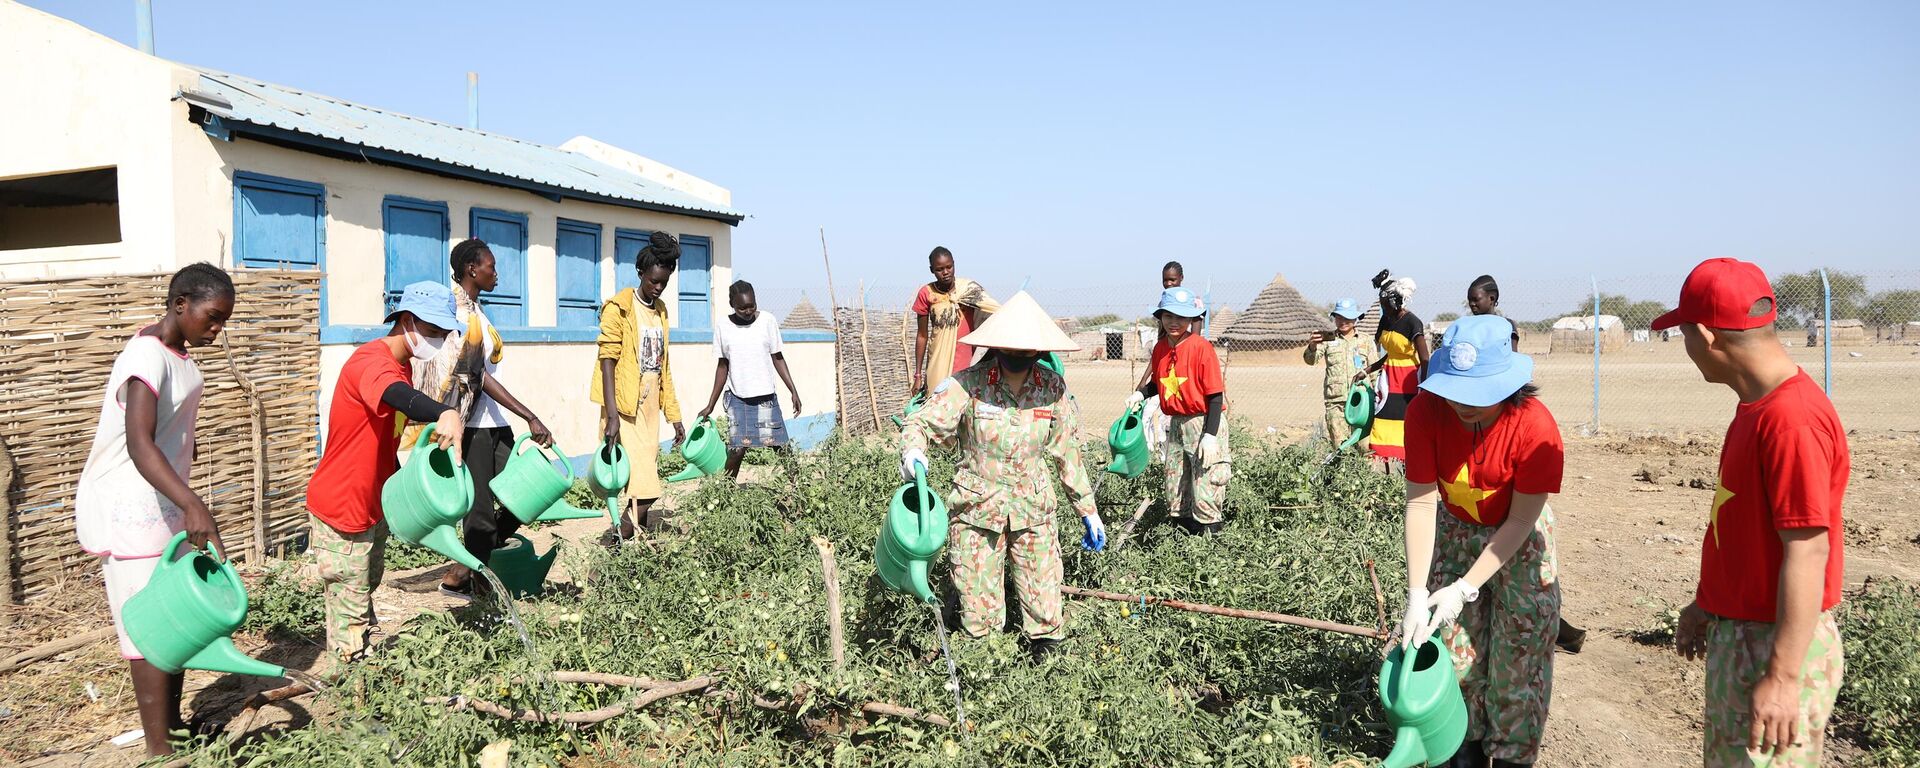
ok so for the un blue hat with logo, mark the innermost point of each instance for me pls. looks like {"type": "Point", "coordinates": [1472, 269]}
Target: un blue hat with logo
{"type": "Point", "coordinates": [1181, 302]}
{"type": "Point", "coordinates": [431, 302]}
{"type": "Point", "coordinates": [1476, 365]}
{"type": "Point", "coordinates": [1347, 308]}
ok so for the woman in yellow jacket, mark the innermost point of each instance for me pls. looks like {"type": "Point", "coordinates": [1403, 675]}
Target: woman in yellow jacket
{"type": "Point", "coordinates": [633, 382]}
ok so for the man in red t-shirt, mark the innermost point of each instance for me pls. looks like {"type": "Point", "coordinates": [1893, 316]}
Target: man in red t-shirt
{"type": "Point", "coordinates": [1771, 564]}
{"type": "Point", "coordinates": [1185, 374]}
{"type": "Point", "coordinates": [372, 401]}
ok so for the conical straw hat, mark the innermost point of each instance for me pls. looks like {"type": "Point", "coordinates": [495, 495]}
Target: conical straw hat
{"type": "Point", "coordinates": [1021, 324]}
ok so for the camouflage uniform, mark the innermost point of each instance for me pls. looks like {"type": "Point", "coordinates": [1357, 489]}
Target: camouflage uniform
{"type": "Point", "coordinates": [351, 566]}
{"type": "Point", "coordinates": [1192, 490]}
{"type": "Point", "coordinates": [1344, 356]}
{"type": "Point", "coordinates": [1737, 656]}
{"type": "Point", "coordinates": [1502, 646]}
{"type": "Point", "coordinates": [1003, 497]}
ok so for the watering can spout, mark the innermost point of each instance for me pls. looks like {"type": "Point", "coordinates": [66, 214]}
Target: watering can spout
{"type": "Point", "coordinates": [446, 542]}
{"type": "Point", "coordinates": [917, 571]}
{"type": "Point", "coordinates": [221, 656]}
{"type": "Point", "coordinates": [1409, 749]}
{"type": "Point", "coordinates": [561, 510]}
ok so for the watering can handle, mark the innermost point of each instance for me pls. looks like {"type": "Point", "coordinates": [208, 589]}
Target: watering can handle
{"type": "Point", "coordinates": [566, 466]}
{"type": "Point", "coordinates": [1408, 656]}
{"type": "Point", "coordinates": [173, 547]}
{"type": "Point", "coordinates": [926, 496]}
{"type": "Point", "coordinates": [426, 435]}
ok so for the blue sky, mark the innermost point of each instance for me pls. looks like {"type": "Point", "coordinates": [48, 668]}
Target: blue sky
{"type": "Point", "coordinates": [1082, 144]}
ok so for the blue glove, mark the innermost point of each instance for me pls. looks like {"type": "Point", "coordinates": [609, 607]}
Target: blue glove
{"type": "Point", "coordinates": [1095, 539]}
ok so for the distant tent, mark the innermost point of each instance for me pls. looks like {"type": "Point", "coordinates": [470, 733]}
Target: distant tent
{"type": "Point", "coordinates": [805, 318]}
{"type": "Point", "coordinates": [1279, 317]}
{"type": "Point", "coordinates": [1220, 321]}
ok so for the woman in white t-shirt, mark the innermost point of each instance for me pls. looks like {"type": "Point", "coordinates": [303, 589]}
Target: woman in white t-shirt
{"type": "Point", "coordinates": [464, 377]}
{"type": "Point", "coordinates": [133, 494]}
{"type": "Point", "coordinates": [748, 347]}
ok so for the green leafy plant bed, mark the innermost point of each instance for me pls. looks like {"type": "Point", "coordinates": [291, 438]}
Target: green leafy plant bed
{"type": "Point", "coordinates": [712, 643]}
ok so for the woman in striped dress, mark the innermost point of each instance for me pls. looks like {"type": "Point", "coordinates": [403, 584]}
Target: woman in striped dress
{"type": "Point", "coordinates": [1403, 340]}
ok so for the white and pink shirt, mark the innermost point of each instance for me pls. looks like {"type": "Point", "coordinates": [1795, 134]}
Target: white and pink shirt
{"type": "Point", "coordinates": [116, 511]}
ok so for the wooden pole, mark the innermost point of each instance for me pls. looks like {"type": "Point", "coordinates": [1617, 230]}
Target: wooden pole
{"type": "Point", "coordinates": [833, 299]}
{"type": "Point", "coordinates": [258, 426]}
{"type": "Point", "coordinates": [866, 360]}
{"type": "Point", "coordinates": [836, 633]}
{"type": "Point", "coordinates": [1125, 531]}
{"type": "Point", "coordinates": [7, 473]}
{"type": "Point", "coordinates": [1277, 618]}
{"type": "Point", "coordinates": [54, 648]}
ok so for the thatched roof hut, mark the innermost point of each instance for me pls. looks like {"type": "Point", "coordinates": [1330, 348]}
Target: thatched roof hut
{"type": "Point", "coordinates": [1221, 320]}
{"type": "Point", "coordinates": [805, 318]}
{"type": "Point", "coordinates": [1369, 323]}
{"type": "Point", "coordinates": [1278, 318]}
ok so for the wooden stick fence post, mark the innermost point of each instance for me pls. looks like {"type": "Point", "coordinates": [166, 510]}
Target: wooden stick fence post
{"type": "Point", "coordinates": [6, 534]}
{"type": "Point", "coordinates": [257, 552]}
{"type": "Point", "coordinates": [866, 360]}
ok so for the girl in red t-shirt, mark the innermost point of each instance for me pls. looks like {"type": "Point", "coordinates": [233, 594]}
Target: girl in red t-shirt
{"type": "Point", "coordinates": [1483, 455]}
{"type": "Point", "coordinates": [1185, 375]}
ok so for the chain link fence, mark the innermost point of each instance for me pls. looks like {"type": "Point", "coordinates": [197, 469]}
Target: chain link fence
{"type": "Point", "coordinates": [1639, 381]}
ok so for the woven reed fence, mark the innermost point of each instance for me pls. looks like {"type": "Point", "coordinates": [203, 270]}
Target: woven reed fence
{"type": "Point", "coordinates": [257, 424]}
{"type": "Point", "coordinates": [871, 349]}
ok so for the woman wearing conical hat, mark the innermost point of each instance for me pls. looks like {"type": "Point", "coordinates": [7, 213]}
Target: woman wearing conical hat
{"type": "Point", "coordinates": [1014, 424]}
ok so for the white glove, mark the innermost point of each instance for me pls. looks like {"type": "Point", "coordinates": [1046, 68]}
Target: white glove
{"type": "Point", "coordinates": [1135, 398]}
{"type": "Point", "coordinates": [909, 458]}
{"type": "Point", "coordinates": [1449, 601]}
{"type": "Point", "coordinates": [1415, 627]}
{"type": "Point", "coordinates": [1209, 450]}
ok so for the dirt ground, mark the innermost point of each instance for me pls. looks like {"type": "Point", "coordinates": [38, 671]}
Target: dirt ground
{"type": "Point", "coordinates": [1632, 516]}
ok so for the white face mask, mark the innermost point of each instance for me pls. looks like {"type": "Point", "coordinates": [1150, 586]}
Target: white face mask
{"type": "Point", "coordinates": [423, 347]}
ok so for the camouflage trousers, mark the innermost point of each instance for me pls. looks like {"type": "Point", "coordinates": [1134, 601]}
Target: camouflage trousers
{"type": "Point", "coordinates": [351, 566]}
{"type": "Point", "coordinates": [1502, 646]}
{"type": "Point", "coordinates": [1737, 656]}
{"type": "Point", "coordinates": [979, 576]}
{"type": "Point", "coordinates": [1193, 490]}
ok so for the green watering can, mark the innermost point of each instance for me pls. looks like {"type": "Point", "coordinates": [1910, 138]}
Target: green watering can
{"type": "Point", "coordinates": [1128, 441]}
{"type": "Point", "coordinates": [913, 406]}
{"type": "Point", "coordinates": [520, 568]}
{"type": "Point", "coordinates": [1424, 706]}
{"type": "Point", "coordinates": [185, 617]}
{"type": "Point", "coordinates": [1359, 413]}
{"type": "Point", "coordinates": [533, 489]}
{"type": "Point", "coordinates": [427, 498]}
{"type": "Point", "coordinates": [608, 475]}
{"type": "Point", "coordinates": [914, 531]}
{"type": "Point", "coordinates": [704, 450]}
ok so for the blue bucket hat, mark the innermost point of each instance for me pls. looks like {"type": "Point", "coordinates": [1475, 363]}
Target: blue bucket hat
{"type": "Point", "coordinates": [1476, 365]}
{"type": "Point", "coordinates": [431, 302]}
{"type": "Point", "coordinates": [1347, 308]}
{"type": "Point", "coordinates": [1181, 302]}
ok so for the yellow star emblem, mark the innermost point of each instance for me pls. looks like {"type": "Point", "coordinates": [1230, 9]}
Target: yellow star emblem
{"type": "Point", "coordinates": [1170, 385]}
{"type": "Point", "coordinates": [1462, 494]}
{"type": "Point", "coordinates": [1720, 497]}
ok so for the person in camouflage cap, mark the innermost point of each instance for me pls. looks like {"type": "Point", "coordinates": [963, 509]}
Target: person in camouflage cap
{"type": "Point", "coordinates": [1015, 426]}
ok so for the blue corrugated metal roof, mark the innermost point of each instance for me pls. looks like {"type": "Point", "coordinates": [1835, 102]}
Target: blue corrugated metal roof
{"type": "Point", "coordinates": [445, 148]}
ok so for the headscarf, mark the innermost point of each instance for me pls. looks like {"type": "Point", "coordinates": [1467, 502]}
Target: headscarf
{"type": "Point", "coordinates": [1399, 286]}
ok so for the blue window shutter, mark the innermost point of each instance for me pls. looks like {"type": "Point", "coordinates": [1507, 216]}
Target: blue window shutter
{"type": "Point", "coordinates": [416, 244]}
{"type": "Point", "coordinates": [626, 253]}
{"type": "Point", "coordinates": [505, 234]}
{"type": "Point", "coordinates": [278, 223]}
{"type": "Point", "coordinates": [696, 288]}
{"type": "Point", "coordinates": [577, 274]}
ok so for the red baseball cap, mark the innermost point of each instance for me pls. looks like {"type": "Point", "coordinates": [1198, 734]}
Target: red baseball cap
{"type": "Point", "coordinates": [1720, 293]}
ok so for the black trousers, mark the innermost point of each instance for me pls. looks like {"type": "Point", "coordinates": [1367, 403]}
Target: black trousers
{"type": "Point", "coordinates": [487, 526]}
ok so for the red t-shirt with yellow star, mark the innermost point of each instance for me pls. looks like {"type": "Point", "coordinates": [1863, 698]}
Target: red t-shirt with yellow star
{"type": "Point", "coordinates": [1186, 375]}
{"type": "Point", "coordinates": [1479, 470]}
{"type": "Point", "coordinates": [1784, 465]}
